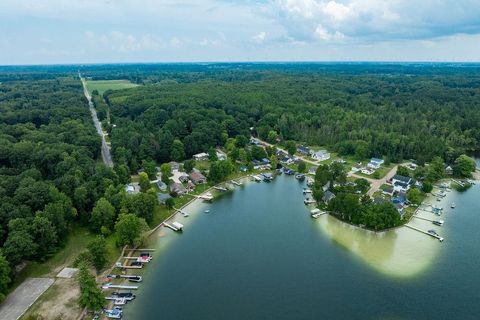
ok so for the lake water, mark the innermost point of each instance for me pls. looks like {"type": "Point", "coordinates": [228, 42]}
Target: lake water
{"type": "Point", "coordinates": [259, 255]}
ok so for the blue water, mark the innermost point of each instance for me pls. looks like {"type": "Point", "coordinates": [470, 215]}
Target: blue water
{"type": "Point", "coordinates": [258, 255]}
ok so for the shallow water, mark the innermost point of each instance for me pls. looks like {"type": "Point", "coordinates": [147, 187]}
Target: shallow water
{"type": "Point", "coordinates": [258, 255]}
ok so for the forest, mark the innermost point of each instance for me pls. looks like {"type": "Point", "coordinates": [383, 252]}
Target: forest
{"type": "Point", "coordinates": [395, 115]}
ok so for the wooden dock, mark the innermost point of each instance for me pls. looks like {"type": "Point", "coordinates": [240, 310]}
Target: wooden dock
{"type": "Point", "coordinates": [236, 183]}
{"type": "Point", "coordinates": [220, 188]}
{"type": "Point", "coordinates": [115, 286]}
{"type": "Point", "coordinates": [431, 220]}
{"type": "Point", "coordinates": [425, 232]}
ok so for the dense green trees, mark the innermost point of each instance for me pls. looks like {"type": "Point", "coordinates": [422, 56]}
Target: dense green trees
{"type": "Point", "coordinates": [91, 296]}
{"type": "Point", "coordinates": [4, 276]}
{"type": "Point", "coordinates": [97, 249]}
{"type": "Point", "coordinates": [129, 228]}
{"type": "Point", "coordinates": [103, 215]}
{"type": "Point", "coordinates": [464, 166]}
{"type": "Point", "coordinates": [219, 170]}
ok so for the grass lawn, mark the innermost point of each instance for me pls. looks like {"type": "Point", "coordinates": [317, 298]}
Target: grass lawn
{"type": "Point", "coordinates": [77, 242]}
{"type": "Point", "coordinates": [103, 85]}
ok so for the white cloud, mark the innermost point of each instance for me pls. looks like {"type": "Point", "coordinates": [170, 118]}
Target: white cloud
{"type": "Point", "coordinates": [260, 37]}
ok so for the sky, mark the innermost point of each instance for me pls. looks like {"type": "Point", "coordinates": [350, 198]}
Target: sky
{"type": "Point", "coordinates": [115, 31]}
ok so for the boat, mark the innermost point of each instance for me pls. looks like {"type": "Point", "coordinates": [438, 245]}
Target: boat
{"type": "Point", "coordinates": [300, 176]}
{"type": "Point", "coordinates": [306, 190]}
{"type": "Point", "coordinates": [453, 205]}
{"type": "Point", "coordinates": [127, 295]}
{"type": "Point", "coordinates": [433, 232]}
{"type": "Point", "coordinates": [115, 313]}
{"type": "Point", "coordinates": [438, 223]}
{"type": "Point", "coordinates": [135, 279]}
{"type": "Point", "coordinates": [117, 301]}
{"type": "Point", "coordinates": [207, 211]}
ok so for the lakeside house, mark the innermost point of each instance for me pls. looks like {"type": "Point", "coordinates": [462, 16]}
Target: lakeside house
{"type": "Point", "coordinates": [197, 178]}
{"type": "Point", "coordinates": [401, 183]}
{"type": "Point", "coordinates": [328, 196]}
{"type": "Point", "coordinates": [303, 150]}
{"type": "Point", "coordinates": [320, 155]}
{"type": "Point", "coordinates": [367, 171]}
{"type": "Point", "coordinates": [132, 188]}
{"type": "Point", "coordinates": [178, 188]}
{"type": "Point", "coordinates": [375, 163]}
{"type": "Point", "coordinates": [312, 169]}
{"type": "Point", "coordinates": [162, 186]}
{"type": "Point", "coordinates": [222, 156]}
{"type": "Point", "coordinates": [163, 197]}
{"type": "Point", "coordinates": [357, 167]}
{"type": "Point", "coordinates": [200, 156]}
{"type": "Point", "coordinates": [449, 170]}
{"type": "Point", "coordinates": [175, 166]}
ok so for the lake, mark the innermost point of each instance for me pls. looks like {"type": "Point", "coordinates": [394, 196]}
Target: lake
{"type": "Point", "coordinates": [259, 255]}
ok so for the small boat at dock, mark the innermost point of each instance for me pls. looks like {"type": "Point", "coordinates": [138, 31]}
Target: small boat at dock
{"type": "Point", "coordinates": [453, 205]}
{"type": "Point", "coordinates": [438, 222]}
{"type": "Point", "coordinates": [307, 190]}
{"type": "Point", "coordinates": [175, 226]}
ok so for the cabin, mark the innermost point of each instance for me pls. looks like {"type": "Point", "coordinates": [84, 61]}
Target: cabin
{"type": "Point", "coordinates": [303, 150]}
{"type": "Point", "coordinates": [178, 188]}
{"type": "Point", "coordinates": [375, 163]}
{"type": "Point", "coordinates": [449, 170]}
{"type": "Point", "coordinates": [197, 178]}
{"type": "Point", "coordinates": [222, 156]}
{"type": "Point", "coordinates": [328, 196]}
{"type": "Point", "coordinates": [162, 186]}
{"type": "Point", "coordinates": [200, 156]}
{"type": "Point", "coordinates": [320, 155]}
{"type": "Point", "coordinates": [255, 141]}
{"type": "Point", "coordinates": [132, 188]}
{"type": "Point", "coordinates": [163, 197]}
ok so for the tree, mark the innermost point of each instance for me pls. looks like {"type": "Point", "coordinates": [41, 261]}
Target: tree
{"type": "Point", "coordinates": [219, 170]}
{"type": "Point", "coordinates": [258, 153]}
{"type": "Point", "coordinates": [464, 166]}
{"type": "Point", "coordinates": [427, 187]}
{"type": "Point", "coordinates": [403, 171]}
{"type": "Point", "coordinates": [129, 229]}
{"type": "Point", "coordinates": [188, 165]}
{"type": "Point", "coordinates": [166, 171]}
{"type": "Point", "coordinates": [272, 136]}
{"type": "Point", "coordinates": [141, 204]}
{"type": "Point", "coordinates": [291, 147]}
{"type": "Point", "coordinates": [19, 245]}
{"type": "Point", "coordinates": [103, 215]}
{"type": "Point", "coordinates": [150, 169]}
{"type": "Point", "coordinates": [177, 152]}
{"type": "Point", "coordinates": [170, 203]}
{"type": "Point", "coordinates": [302, 167]}
{"type": "Point", "coordinates": [97, 249]}
{"type": "Point", "coordinates": [45, 236]}
{"type": "Point", "coordinates": [414, 196]}
{"type": "Point", "coordinates": [241, 141]}
{"type": "Point", "coordinates": [91, 296]}
{"type": "Point", "coordinates": [144, 182]}
{"type": "Point", "coordinates": [273, 161]}
{"type": "Point", "coordinates": [362, 184]}
{"type": "Point", "coordinates": [212, 154]}
{"type": "Point", "coordinates": [5, 272]}
{"type": "Point", "coordinates": [436, 170]}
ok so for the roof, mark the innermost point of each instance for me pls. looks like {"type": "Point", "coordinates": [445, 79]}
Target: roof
{"type": "Point", "coordinates": [328, 195]}
{"type": "Point", "coordinates": [376, 160]}
{"type": "Point", "coordinates": [379, 200]}
{"type": "Point", "coordinates": [401, 178]}
{"type": "Point", "coordinates": [323, 151]}
{"type": "Point", "coordinates": [196, 176]}
{"type": "Point", "coordinates": [401, 184]}
{"type": "Point", "coordinates": [177, 187]}
{"type": "Point", "coordinates": [200, 155]}
{"type": "Point", "coordinates": [162, 197]}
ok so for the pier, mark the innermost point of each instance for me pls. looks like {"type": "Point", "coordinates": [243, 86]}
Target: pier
{"type": "Point", "coordinates": [220, 188]}
{"type": "Point", "coordinates": [115, 286]}
{"type": "Point", "coordinates": [175, 226]}
{"type": "Point", "coordinates": [236, 183]}
{"type": "Point", "coordinates": [438, 222]}
{"type": "Point", "coordinates": [436, 236]}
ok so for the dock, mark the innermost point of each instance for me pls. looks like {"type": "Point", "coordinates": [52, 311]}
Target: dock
{"type": "Point", "coordinates": [206, 197]}
{"type": "Point", "coordinates": [115, 286]}
{"type": "Point", "coordinates": [309, 201]}
{"type": "Point", "coordinates": [425, 232]}
{"type": "Point", "coordinates": [440, 222]}
{"type": "Point", "coordinates": [175, 226]}
{"type": "Point", "coordinates": [256, 178]}
{"type": "Point", "coordinates": [183, 213]}
{"type": "Point", "coordinates": [140, 250]}
{"type": "Point", "coordinates": [220, 188]}
{"type": "Point", "coordinates": [315, 213]}
{"type": "Point", "coordinates": [128, 267]}
{"type": "Point", "coordinates": [236, 183]}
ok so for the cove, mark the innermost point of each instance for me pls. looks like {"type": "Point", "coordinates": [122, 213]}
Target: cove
{"type": "Point", "coordinates": [259, 255]}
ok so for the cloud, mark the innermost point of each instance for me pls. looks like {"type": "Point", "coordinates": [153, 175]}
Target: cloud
{"type": "Point", "coordinates": [375, 20]}
{"type": "Point", "coordinates": [122, 42]}
{"type": "Point", "coordinates": [260, 37]}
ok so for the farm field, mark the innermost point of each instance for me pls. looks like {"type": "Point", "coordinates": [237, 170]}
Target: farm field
{"type": "Point", "coordinates": [103, 85]}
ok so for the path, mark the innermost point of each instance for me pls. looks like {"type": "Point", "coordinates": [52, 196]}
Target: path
{"type": "Point", "coordinates": [316, 163]}
{"type": "Point", "coordinates": [376, 183]}
{"type": "Point", "coordinates": [18, 302]}
{"type": "Point", "coordinates": [106, 156]}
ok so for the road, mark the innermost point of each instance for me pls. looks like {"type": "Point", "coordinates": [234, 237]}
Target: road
{"type": "Point", "coordinates": [106, 156]}
{"type": "Point", "coordinates": [18, 302]}
{"type": "Point", "coordinates": [316, 163]}
{"type": "Point", "coordinates": [375, 184]}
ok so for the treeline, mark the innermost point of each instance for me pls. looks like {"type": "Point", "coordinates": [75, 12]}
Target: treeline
{"type": "Point", "coordinates": [50, 173]}
{"type": "Point", "coordinates": [393, 116]}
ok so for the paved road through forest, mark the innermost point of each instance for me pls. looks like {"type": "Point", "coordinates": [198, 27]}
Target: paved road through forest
{"type": "Point", "coordinates": [106, 156]}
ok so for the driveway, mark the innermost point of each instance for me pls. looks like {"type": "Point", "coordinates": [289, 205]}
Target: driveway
{"type": "Point", "coordinates": [18, 302]}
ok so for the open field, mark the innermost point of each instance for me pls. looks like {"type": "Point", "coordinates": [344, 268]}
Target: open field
{"type": "Point", "coordinates": [103, 85]}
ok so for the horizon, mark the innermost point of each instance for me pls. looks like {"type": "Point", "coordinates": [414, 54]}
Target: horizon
{"type": "Point", "coordinates": [230, 31]}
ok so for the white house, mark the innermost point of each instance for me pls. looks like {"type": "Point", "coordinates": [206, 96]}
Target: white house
{"type": "Point", "coordinates": [221, 155]}
{"type": "Point", "coordinates": [375, 163]}
{"type": "Point", "coordinates": [402, 183]}
{"type": "Point", "coordinates": [367, 171]}
{"type": "Point", "coordinates": [200, 156]}
{"type": "Point", "coordinates": [320, 155]}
